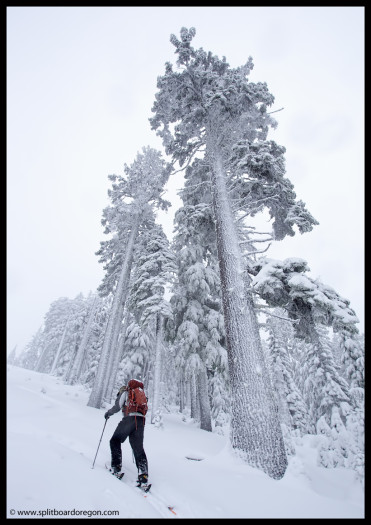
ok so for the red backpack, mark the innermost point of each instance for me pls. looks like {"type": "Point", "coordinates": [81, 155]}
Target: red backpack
{"type": "Point", "coordinates": [137, 400]}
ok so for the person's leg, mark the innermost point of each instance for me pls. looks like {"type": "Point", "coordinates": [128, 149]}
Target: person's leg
{"type": "Point", "coordinates": [121, 433]}
{"type": "Point", "coordinates": [136, 441]}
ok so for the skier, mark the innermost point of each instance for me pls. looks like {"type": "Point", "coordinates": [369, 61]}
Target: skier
{"type": "Point", "coordinates": [133, 403]}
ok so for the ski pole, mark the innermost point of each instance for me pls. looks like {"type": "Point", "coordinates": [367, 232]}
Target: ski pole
{"type": "Point", "coordinates": [99, 443]}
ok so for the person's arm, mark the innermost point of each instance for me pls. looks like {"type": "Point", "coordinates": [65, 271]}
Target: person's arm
{"type": "Point", "coordinates": [114, 409]}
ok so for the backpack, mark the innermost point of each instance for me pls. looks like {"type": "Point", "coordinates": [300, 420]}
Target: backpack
{"type": "Point", "coordinates": [137, 400]}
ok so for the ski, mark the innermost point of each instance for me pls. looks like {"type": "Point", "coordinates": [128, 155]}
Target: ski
{"type": "Point", "coordinates": [118, 475]}
{"type": "Point", "coordinates": [145, 489]}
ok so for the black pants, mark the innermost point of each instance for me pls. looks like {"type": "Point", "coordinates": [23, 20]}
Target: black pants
{"type": "Point", "coordinates": [132, 427]}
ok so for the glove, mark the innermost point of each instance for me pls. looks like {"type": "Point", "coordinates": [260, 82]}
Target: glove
{"type": "Point", "coordinates": [107, 416]}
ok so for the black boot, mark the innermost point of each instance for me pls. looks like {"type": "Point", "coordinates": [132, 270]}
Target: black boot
{"type": "Point", "coordinates": [116, 471]}
{"type": "Point", "coordinates": [142, 480]}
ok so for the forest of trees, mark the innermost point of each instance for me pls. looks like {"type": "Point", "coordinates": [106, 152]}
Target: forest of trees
{"type": "Point", "coordinates": [248, 346]}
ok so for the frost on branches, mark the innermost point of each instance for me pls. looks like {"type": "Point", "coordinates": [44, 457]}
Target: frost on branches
{"type": "Point", "coordinates": [333, 396]}
{"type": "Point", "coordinates": [133, 198]}
{"type": "Point", "coordinates": [206, 107]}
{"type": "Point", "coordinates": [202, 348]}
{"type": "Point", "coordinates": [197, 329]}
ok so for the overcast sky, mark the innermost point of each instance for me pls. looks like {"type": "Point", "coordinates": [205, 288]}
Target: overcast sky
{"type": "Point", "coordinates": [81, 82]}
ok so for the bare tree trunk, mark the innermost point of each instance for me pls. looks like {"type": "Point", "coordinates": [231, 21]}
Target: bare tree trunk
{"type": "Point", "coordinates": [145, 374]}
{"type": "Point", "coordinates": [75, 370]}
{"type": "Point", "coordinates": [181, 395]}
{"type": "Point", "coordinates": [188, 395]}
{"type": "Point", "coordinates": [39, 367]}
{"type": "Point", "coordinates": [205, 412]}
{"type": "Point", "coordinates": [255, 427]}
{"type": "Point", "coordinates": [195, 401]}
{"type": "Point", "coordinates": [115, 362]}
{"type": "Point", "coordinates": [158, 367]}
{"type": "Point", "coordinates": [60, 346]}
{"type": "Point", "coordinates": [111, 335]}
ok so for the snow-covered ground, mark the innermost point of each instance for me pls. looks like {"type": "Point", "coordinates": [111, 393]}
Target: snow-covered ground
{"type": "Point", "coordinates": [52, 439]}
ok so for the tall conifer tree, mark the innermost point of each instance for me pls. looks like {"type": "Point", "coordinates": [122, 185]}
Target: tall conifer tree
{"type": "Point", "coordinates": [207, 104]}
{"type": "Point", "coordinates": [133, 197]}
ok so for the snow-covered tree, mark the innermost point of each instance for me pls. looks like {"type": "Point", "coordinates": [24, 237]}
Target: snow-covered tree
{"type": "Point", "coordinates": [352, 358]}
{"type": "Point", "coordinates": [206, 104]}
{"type": "Point", "coordinates": [154, 269]}
{"type": "Point", "coordinates": [133, 198]}
{"type": "Point", "coordinates": [292, 407]}
{"type": "Point", "coordinates": [77, 359]}
{"type": "Point", "coordinates": [355, 426]}
{"type": "Point", "coordinates": [71, 337]}
{"type": "Point", "coordinates": [53, 348]}
{"type": "Point", "coordinates": [99, 324]}
{"type": "Point", "coordinates": [55, 322]}
{"type": "Point", "coordinates": [351, 350]}
{"type": "Point", "coordinates": [12, 357]}
{"type": "Point", "coordinates": [307, 301]}
{"type": "Point", "coordinates": [324, 388]}
{"type": "Point", "coordinates": [136, 354]}
{"type": "Point", "coordinates": [29, 357]}
{"type": "Point", "coordinates": [313, 306]}
{"type": "Point", "coordinates": [198, 326]}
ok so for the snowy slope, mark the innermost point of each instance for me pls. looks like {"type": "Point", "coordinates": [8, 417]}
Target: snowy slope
{"type": "Point", "coordinates": [52, 438]}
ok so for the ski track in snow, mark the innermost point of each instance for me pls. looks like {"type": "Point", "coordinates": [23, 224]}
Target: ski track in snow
{"type": "Point", "coordinates": [52, 439]}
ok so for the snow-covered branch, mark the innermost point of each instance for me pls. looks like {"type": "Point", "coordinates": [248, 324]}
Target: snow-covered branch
{"type": "Point", "coordinates": [252, 241]}
{"type": "Point", "coordinates": [258, 251]}
{"type": "Point", "coordinates": [264, 311]}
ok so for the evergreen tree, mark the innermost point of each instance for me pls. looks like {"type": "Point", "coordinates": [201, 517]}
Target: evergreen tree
{"type": "Point", "coordinates": [76, 362]}
{"type": "Point", "coordinates": [155, 267]}
{"type": "Point", "coordinates": [352, 358]}
{"type": "Point", "coordinates": [198, 324]}
{"type": "Point", "coordinates": [133, 198]}
{"type": "Point", "coordinates": [29, 357]}
{"type": "Point", "coordinates": [54, 332]}
{"type": "Point", "coordinates": [355, 426]}
{"type": "Point", "coordinates": [294, 412]}
{"type": "Point", "coordinates": [12, 357]}
{"type": "Point", "coordinates": [136, 354]}
{"type": "Point", "coordinates": [307, 301]}
{"type": "Point", "coordinates": [324, 388]}
{"type": "Point", "coordinates": [207, 104]}
{"type": "Point", "coordinates": [334, 395]}
{"type": "Point", "coordinates": [98, 329]}
{"type": "Point", "coordinates": [71, 337]}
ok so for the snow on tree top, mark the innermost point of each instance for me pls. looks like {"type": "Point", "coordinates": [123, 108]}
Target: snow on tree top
{"type": "Point", "coordinates": [283, 283]}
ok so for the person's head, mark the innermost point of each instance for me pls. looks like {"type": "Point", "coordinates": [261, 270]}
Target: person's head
{"type": "Point", "coordinates": [122, 389]}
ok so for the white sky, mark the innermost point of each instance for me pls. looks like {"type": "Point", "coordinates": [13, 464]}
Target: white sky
{"type": "Point", "coordinates": [81, 82]}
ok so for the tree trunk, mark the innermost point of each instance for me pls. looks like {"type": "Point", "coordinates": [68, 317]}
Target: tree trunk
{"type": "Point", "coordinates": [158, 367]}
{"type": "Point", "coordinates": [181, 395]}
{"type": "Point", "coordinates": [40, 365]}
{"type": "Point", "coordinates": [58, 353]}
{"type": "Point", "coordinates": [188, 394]}
{"type": "Point", "coordinates": [205, 413]}
{"type": "Point", "coordinates": [195, 402]}
{"type": "Point", "coordinates": [146, 374]}
{"type": "Point", "coordinates": [75, 371]}
{"type": "Point", "coordinates": [115, 362]}
{"type": "Point", "coordinates": [111, 335]}
{"type": "Point", "coordinates": [255, 428]}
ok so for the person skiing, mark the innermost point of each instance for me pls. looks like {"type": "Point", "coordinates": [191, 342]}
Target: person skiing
{"type": "Point", "coordinates": [133, 403]}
